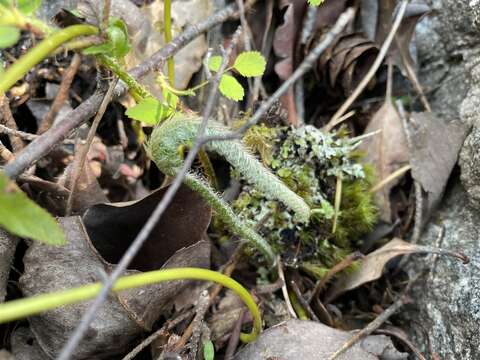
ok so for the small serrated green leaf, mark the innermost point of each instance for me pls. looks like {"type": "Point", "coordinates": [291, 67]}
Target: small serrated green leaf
{"type": "Point", "coordinates": [214, 63]}
{"type": "Point", "coordinates": [208, 350]}
{"type": "Point", "coordinates": [315, 2]}
{"type": "Point", "coordinates": [250, 63]}
{"type": "Point", "coordinates": [28, 7]}
{"type": "Point", "coordinates": [231, 88]}
{"type": "Point", "coordinates": [150, 111]}
{"type": "Point", "coordinates": [22, 217]}
{"type": "Point", "coordinates": [8, 36]}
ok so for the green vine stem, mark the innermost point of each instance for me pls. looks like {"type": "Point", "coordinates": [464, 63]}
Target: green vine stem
{"type": "Point", "coordinates": [138, 91]}
{"type": "Point", "coordinates": [17, 309]}
{"type": "Point", "coordinates": [180, 131]}
{"type": "Point", "coordinates": [167, 22]}
{"type": "Point", "coordinates": [41, 51]}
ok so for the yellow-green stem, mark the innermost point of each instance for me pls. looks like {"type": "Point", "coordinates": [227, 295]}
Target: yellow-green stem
{"type": "Point", "coordinates": [45, 48]}
{"type": "Point", "coordinates": [167, 20]}
{"type": "Point", "coordinates": [137, 90]}
{"type": "Point", "coordinates": [17, 309]}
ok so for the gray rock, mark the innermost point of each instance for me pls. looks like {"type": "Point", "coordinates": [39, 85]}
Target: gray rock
{"type": "Point", "coordinates": [470, 164]}
{"type": "Point", "coordinates": [447, 304]}
{"type": "Point", "coordinates": [308, 340]}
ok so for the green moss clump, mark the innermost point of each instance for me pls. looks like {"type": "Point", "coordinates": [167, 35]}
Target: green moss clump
{"type": "Point", "coordinates": [308, 161]}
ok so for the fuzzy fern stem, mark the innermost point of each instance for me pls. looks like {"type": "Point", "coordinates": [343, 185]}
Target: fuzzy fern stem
{"type": "Point", "coordinates": [181, 131]}
{"type": "Point", "coordinates": [226, 214]}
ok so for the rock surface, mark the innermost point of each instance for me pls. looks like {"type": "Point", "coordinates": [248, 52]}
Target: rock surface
{"type": "Point", "coordinates": [447, 304]}
{"type": "Point", "coordinates": [296, 339]}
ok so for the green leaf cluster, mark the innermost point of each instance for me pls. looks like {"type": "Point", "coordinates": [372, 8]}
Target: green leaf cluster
{"type": "Point", "coordinates": [247, 64]}
{"type": "Point", "coordinates": [22, 217]}
{"type": "Point", "coordinates": [117, 44]}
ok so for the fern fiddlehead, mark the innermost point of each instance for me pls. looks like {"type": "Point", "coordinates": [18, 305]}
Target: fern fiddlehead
{"type": "Point", "coordinates": [180, 131]}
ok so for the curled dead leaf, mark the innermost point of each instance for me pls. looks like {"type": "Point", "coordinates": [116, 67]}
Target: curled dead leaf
{"type": "Point", "coordinates": [371, 268]}
{"type": "Point", "coordinates": [347, 61]}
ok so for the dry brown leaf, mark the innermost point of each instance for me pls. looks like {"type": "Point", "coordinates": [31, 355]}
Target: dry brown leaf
{"type": "Point", "coordinates": [308, 340]}
{"type": "Point", "coordinates": [433, 160]}
{"type": "Point", "coordinates": [386, 151]}
{"type": "Point", "coordinates": [347, 61]}
{"type": "Point", "coordinates": [183, 224]}
{"type": "Point", "coordinates": [371, 267]}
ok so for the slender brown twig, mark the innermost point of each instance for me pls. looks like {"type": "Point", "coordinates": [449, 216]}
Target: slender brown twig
{"type": "Point", "coordinates": [77, 171]}
{"type": "Point", "coordinates": [17, 144]}
{"type": "Point", "coordinates": [234, 338]}
{"type": "Point", "coordinates": [342, 265]}
{"type": "Point", "coordinates": [302, 301]}
{"type": "Point", "coordinates": [62, 94]}
{"type": "Point", "coordinates": [371, 327]}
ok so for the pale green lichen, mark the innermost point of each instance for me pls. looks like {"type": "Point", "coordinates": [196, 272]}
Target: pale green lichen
{"type": "Point", "coordinates": [309, 161]}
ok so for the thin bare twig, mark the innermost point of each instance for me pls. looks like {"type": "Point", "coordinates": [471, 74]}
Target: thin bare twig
{"type": "Point", "coordinates": [17, 133]}
{"type": "Point", "coordinates": [371, 327]}
{"type": "Point", "coordinates": [404, 340]}
{"type": "Point", "coordinates": [234, 337]}
{"type": "Point", "coordinates": [62, 94]}
{"type": "Point", "coordinates": [17, 144]}
{"type": "Point", "coordinates": [197, 322]}
{"type": "Point", "coordinates": [77, 171]}
{"type": "Point", "coordinates": [286, 297]}
{"type": "Point", "coordinates": [170, 324]}
{"type": "Point", "coordinates": [375, 66]}
{"type": "Point", "coordinates": [105, 14]}
{"type": "Point", "coordinates": [136, 245]}
{"type": "Point", "coordinates": [342, 265]}
{"type": "Point", "coordinates": [302, 301]}
{"type": "Point", "coordinates": [307, 29]}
